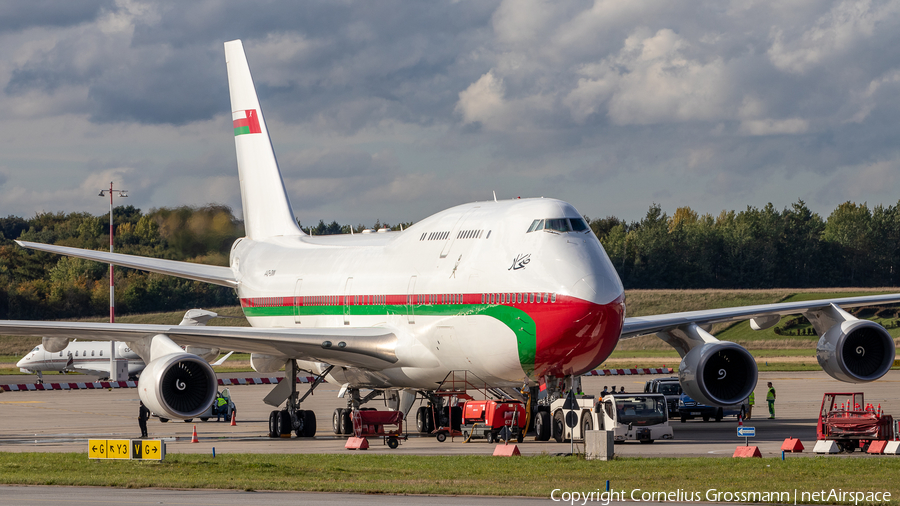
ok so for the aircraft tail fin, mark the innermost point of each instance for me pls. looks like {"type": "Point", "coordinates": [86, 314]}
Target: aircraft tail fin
{"type": "Point", "coordinates": [267, 210]}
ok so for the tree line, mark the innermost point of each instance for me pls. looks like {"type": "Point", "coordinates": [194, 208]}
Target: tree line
{"type": "Point", "coordinates": [754, 248]}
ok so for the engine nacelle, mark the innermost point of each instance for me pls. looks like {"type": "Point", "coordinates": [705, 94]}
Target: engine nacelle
{"type": "Point", "coordinates": [179, 385]}
{"type": "Point", "coordinates": [718, 374]}
{"type": "Point", "coordinates": [856, 351]}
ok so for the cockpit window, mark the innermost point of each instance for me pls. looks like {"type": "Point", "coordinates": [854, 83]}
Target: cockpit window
{"type": "Point", "coordinates": [578, 224]}
{"type": "Point", "coordinates": [559, 225]}
{"type": "Point", "coordinates": [36, 348]}
{"type": "Point", "coordinates": [536, 225]}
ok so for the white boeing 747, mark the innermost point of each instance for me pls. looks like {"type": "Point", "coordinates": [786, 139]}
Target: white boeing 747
{"type": "Point", "coordinates": [515, 292]}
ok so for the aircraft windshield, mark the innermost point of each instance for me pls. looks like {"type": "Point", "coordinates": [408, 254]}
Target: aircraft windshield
{"type": "Point", "coordinates": [641, 410]}
{"type": "Point", "coordinates": [559, 225]}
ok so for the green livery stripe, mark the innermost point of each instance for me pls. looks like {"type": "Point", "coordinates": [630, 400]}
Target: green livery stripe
{"type": "Point", "coordinates": [517, 320]}
{"type": "Point", "coordinates": [241, 130]}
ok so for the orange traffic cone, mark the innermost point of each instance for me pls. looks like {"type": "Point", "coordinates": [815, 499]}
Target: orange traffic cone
{"type": "Point", "coordinates": [194, 436]}
{"type": "Point", "coordinates": [233, 421]}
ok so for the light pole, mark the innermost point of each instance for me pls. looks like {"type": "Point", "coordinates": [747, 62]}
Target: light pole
{"type": "Point", "coordinates": [113, 375]}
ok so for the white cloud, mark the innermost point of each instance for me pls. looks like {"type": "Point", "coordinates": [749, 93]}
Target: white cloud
{"type": "Point", "coordinates": [790, 126]}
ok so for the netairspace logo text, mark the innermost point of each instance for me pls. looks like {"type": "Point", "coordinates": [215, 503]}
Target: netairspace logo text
{"type": "Point", "coordinates": [832, 496]}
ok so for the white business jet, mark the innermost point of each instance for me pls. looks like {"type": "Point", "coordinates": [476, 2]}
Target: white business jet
{"type": "Point", "coordinates": [518, 293]}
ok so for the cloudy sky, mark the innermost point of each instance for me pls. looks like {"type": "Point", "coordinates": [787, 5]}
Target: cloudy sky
{"type": "Point", "coordinates": [394, 109]}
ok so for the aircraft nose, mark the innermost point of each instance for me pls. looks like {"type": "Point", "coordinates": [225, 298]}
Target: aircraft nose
{"type": "Point", "coordinates": [23, 361]}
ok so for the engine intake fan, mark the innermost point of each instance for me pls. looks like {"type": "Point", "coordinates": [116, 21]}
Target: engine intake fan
{"type": "Point", "coordinates": [180, 385]}
{"type": "Point", "coordinates": [718, 374]}
{"type": "Point", "coordinates": [856, 351]}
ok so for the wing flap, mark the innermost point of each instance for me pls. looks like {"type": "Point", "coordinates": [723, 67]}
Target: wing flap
{"type": "Point", "coordinates": [369, 347]}
{"type": "Point", "coordinates": [209, 273]}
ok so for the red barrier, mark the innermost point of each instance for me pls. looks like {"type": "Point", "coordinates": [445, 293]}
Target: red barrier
{"type": "Point", "coordinates": [877, 447]}
{"type": "Point", "coordinates": [506, 451]}
{"type": "Point", "coordinates": [792, 445]}
{"type": "Point", "coordinates": [747, 452]}
{"type": "Point", "coordinates": [357, 443]}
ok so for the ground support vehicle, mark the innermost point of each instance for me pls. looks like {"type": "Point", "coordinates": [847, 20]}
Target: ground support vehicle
{"type": "Point", "coordinates": [494, 421]}
{"type": "Point", "coordinates": [688, 409]}
{"type": "Point", "coordinates": [641, 417]}
{"type": "Point", "coordinates": [846, 419]}
{"type": "Point", "coordinates": [387, 425]}
{"type": "Point", "coordinates": [669, 387]}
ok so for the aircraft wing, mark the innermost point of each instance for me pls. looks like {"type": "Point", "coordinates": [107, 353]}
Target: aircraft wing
{"type": "Point", "coordinates": [642, 325]}
{"type": "Point", "coordinates": [209, 273]}
{"type": "Point", "coordinates": [368, 347]}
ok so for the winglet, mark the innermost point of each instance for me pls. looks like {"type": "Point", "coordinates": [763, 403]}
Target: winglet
{"type": "Point", "coordinates": [267, 210]}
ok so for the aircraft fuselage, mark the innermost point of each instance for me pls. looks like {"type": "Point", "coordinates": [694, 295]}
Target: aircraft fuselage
{"type": "Point", "coordinates": [470, 288]}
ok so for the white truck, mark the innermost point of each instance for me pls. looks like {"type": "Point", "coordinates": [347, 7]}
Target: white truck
{"type": "Point", "coordinates": [642, 417]}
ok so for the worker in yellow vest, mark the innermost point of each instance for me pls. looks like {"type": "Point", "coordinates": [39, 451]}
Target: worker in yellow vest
{"type": "Point", "coordinates": [770, 399]}
{"type": "Point", "coordinates": [750, 402]}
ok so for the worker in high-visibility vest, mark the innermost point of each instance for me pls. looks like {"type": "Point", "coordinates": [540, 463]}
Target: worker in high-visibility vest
{"type": "Point", "coordinates": [770, 399]}
{"type": "Point", "coordinates": [750, 402]}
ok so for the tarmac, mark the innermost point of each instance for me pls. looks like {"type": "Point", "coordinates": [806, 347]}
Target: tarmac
{"type": "Point", "coordinates": [64, 421]}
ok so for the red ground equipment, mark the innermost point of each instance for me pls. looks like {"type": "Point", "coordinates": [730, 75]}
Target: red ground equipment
{"type": "Point", "coordinates": [384, 424]}
{"type": "Point", "coordinates": [494, 420]}
{"type": "Point", "coordinates": [851, 423]}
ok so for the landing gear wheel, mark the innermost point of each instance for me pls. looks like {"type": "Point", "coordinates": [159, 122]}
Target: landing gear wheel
{"type": "Point", "coordinates": [559, 427]}
{"type": "Point", "coordinates": [273, 424]}
{"type": "Point", "coordinates": [204, 418]}
{"type": "Point", "coordinates": [336, 421]}
{"type": "Point", "coordinates": [441, 437]}
{"type": "Point", "coordinates": [429, 419]}
{"type": "Point", "coordinates": [346, 422]}
{"type": "Point", "coordinates": [542, 426]}
{"type": "Point", "coordinates": [309, 424]}
{"type": "Point", "coordinates": [188, 420]}
{"type": "Point", "coordinates": [284, 422]}
{"type": "Point", "coordinates": [420, 420]}
{"type": "Point", "coordinates": [393, 443]}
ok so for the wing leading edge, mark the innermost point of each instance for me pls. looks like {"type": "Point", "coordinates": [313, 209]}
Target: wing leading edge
{"type": "Point", "coordinates": [642, 325]}
{"type": "Point", "coordinates": [370, 347]}
{"type": "Point", "coordinates": [209, 273]}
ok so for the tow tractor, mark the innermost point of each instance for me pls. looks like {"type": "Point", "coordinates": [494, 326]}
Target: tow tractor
{"type": "Point", "coordinates": [846, 419]}
{"type": "Point", "coordinates": [642, 417]}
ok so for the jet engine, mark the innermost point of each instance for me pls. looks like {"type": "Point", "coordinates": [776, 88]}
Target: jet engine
{"type": "Point", "coordinates": [856, 351]}
{"type": "Point", "coordinates": [718, 373]}
{"type": "Point", "coordinates": [178, 385]}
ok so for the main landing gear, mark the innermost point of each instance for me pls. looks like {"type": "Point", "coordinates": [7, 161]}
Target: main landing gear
{"type": "Point", "coordinates": [293, 419]}
{"type": "Point", "coordinates": [341, 421]}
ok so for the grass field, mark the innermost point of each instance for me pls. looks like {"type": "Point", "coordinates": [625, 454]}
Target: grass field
{"type": "Point", "coordinates": [456, 475]}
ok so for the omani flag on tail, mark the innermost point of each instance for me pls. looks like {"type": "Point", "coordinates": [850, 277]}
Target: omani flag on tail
{"type": "Point", "coordinates": [246, 122]}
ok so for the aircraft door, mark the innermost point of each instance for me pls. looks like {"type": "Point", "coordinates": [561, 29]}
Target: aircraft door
{"type": "Point", "coordinates": [454, 232]}
{"type": "Point", "coordinates": [347, 301]}
{"type": "Point", "coordinates": [297, 300]}
{"type": "Point", "coordinates": [411, 300]}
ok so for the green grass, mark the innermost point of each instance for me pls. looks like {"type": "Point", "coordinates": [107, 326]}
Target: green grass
{"type": "Point", "coordinates": [455, 475]}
